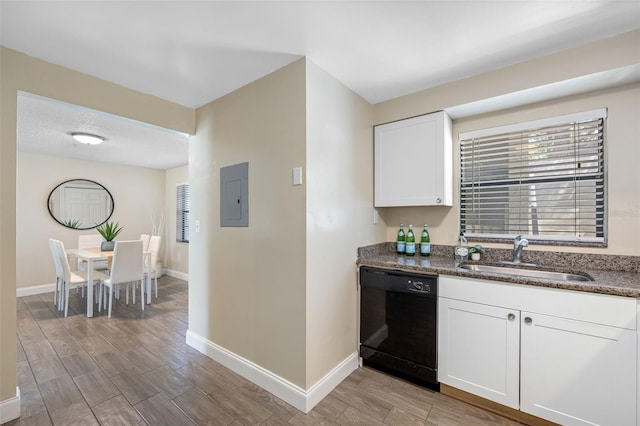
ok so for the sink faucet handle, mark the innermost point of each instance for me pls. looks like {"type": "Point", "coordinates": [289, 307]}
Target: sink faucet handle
{"type": "Point", "coordinates": [516, 240]}
{"type": "Point", "coordinates": [518, 244]}
{"type": "Point", "coordinates": [519, 241]}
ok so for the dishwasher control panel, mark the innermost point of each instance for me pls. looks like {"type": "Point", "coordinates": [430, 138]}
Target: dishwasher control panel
{"type": "Point", "coordinates": [425, 285]}
{"type": "Point", "coordinates": [421, 286]}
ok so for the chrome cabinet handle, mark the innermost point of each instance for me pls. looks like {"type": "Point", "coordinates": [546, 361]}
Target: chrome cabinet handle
{"type": "Point", "coordinates": [438, 200]}
{"type": "Point", "coordinates": [511, 317]}
{"type": "Point", "coordinates": [527, 320]}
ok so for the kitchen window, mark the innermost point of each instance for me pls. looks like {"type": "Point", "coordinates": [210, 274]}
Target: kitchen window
{"type": "Point", "coordinates": [543, 179]}
{"type": "Point", "coordinates": [182, 213]}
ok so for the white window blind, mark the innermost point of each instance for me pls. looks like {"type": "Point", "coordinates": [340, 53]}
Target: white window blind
{"type": "Point", "coordinates": [543, 179]}
{"type": "Point", "coordinates": [182, 213]}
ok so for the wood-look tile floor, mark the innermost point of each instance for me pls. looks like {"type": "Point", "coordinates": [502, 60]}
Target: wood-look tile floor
{"type": "Point", "coordinates": [136, 369]}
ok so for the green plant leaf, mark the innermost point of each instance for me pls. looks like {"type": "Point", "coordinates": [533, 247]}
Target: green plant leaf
{"type": "Point", "coordinates": [476, 249]}
{"type": "Point", "coordinates": [109, 230]}
{"type": "Point", "coordinates": [72, 223]}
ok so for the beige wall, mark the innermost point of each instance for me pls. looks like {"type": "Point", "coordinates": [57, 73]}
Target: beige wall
{"type": "Point", "coordinates": [137, 193]}
{"type": "Point", "coordinates": [247, 285]}
{"type": "Point", "coordinates": [175, 256]}
{"type": "Point", "coordinates": [623, 133]}
{"type": "Point", "coordinates": [19, 72]}
{"type": "Point", "coordinates": [339, 181]}
{"type": "Point", "coordinates": [282, 292]}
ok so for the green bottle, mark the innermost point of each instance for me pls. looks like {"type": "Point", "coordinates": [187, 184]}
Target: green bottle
{"type": "Point", "coordinates": [410, 246]}
{"type": "Point", "coordinates": [425, 242]}
{"type": "Point", "coordinates": [400, 242]}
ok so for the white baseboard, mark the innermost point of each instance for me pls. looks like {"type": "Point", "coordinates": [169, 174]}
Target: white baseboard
{"type": "Point", "coordinates": [331, 380]}
{"type": "Point", "coordinates": [176, 274]}
{"type": "Point", "coordinates": [36, 289]}
{"type": "Point", "coordinates": [49, 288]}
{"type": "Point", "coordinates": [10, 408]}
{"type": "Point", "coordinates": [303, 400]}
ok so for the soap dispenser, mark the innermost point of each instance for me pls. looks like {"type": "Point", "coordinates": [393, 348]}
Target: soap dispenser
{"type": "Point", "coordinates": [462, 249]}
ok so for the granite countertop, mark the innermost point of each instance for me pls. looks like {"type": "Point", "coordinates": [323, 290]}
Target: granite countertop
{"type": "Point", "coordinates": [624, 280]}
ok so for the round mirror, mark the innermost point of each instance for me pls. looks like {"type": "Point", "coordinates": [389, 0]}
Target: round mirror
{"type": "Point", "coordinates": [80, 204]}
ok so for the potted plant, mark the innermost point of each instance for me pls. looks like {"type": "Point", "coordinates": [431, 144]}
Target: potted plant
{"type": "Point", "coordinates": [109, 232]}
{"type": "Point", "coordinates": [475, 251]}
{"type": "Point", "coordinates": [72, 223]}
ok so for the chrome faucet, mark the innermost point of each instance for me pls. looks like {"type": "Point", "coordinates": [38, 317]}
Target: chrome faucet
{"type": "Point", "coordinates": [518, 244]}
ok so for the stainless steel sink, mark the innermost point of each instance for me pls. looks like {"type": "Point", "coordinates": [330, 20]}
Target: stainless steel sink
{"type": "Point", "coordinates": [527, 272]}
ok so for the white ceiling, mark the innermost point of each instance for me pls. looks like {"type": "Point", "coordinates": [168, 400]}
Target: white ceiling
{"type": "Point", "coordinates": [192, 52]}
{"type": "Point", "coordinates": [45, 127]}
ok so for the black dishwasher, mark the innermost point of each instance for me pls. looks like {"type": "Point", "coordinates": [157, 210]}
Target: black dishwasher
{"type": "Point", "coordinates": [398, 329]}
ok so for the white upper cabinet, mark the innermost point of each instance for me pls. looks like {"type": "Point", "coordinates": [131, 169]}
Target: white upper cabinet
{"type": "Point", "coordinates": [413, 162]}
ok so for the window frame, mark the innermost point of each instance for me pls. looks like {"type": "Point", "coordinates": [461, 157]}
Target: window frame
{"type": "Point", "coordinates": [575, 240]}
{"type": "Point", "coordinates": [182, 210]}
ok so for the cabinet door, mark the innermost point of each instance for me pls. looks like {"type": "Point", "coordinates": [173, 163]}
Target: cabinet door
{"type": "Point", "coordinates": [478, 349]}
{"type": "Point", "coordinates": [574, 372]}
{"type": "Point", "coordinates": [413, 162]}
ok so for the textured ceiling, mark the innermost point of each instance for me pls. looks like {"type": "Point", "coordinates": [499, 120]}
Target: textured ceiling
{"type": "Point", "coordinates": [45, 126]}
{"type": "Point", "coordinates": [193, 52]}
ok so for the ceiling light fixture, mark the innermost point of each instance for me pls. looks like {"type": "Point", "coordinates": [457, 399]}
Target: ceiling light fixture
{"type": "Point", "coordinates": [87, 138]}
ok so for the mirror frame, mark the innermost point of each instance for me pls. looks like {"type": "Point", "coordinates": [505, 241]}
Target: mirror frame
{"type": "Point", "coordinates": [85, 180]}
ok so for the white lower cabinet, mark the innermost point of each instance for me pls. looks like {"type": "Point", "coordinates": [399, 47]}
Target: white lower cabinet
{"type": "Point", "coordinates": [574, 372]}
{"type": "Point", "coordinates": [480, 350]}
{"type": "Point", "coordinates": [564, 356]}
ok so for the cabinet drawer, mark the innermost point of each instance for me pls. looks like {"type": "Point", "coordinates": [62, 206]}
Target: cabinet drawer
{"type": "Point", "coordinates": [614, 311]}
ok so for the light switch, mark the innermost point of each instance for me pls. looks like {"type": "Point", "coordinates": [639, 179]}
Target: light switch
{"type": "Point", "coordinates": [297, 176]}
{"type": "Point", "coordinates": [197, 223]}
{"type": "Point", "coordinates": [376, 216]}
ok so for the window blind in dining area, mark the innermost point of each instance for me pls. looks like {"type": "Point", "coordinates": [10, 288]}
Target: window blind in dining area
{"type": "Point", "coordinates": [182, 213]}
{"type": "Point", "coordinates": [544, 179]}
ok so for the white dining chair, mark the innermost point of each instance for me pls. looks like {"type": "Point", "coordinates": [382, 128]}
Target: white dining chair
{"type": "Point", "coordinates": [153, 249]}
{"type": "Point", "coordinates": [57, 294]}
{"type": "Point", "coordinates": [127, 268]}
{"type": "Point", "coordinates": [71, 279]}
{"type": "Point", "coordinates": [91, 241]}
{"type": "Point", "coordinates": [145, 241]}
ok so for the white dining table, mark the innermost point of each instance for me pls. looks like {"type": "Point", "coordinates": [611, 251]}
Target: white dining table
{"type": "Point", "coordinates": [91, 256]}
